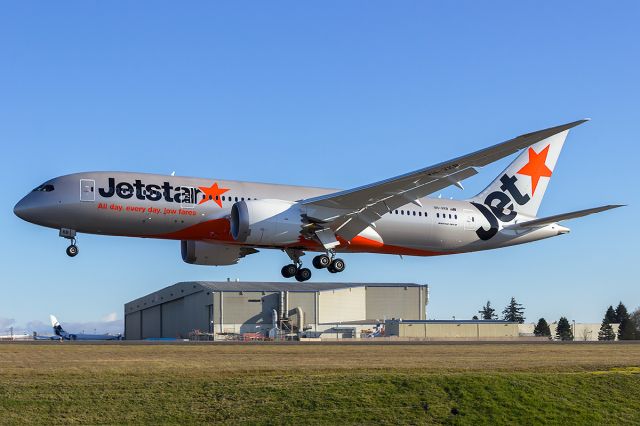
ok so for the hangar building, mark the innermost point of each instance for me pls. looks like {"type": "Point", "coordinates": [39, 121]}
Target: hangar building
{"type": "Point", "coordinates": [248, 307]}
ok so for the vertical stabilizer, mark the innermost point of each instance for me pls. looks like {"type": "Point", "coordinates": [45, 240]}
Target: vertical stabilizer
{"type": "Point", "coordinates": [525, 180]}
{"type": "Point", "coordinates": [57, 328]}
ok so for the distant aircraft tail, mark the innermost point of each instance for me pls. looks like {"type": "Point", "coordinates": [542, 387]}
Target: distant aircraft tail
{"type": "Point", "coordinates": [57, 328]}
{"type": "Point", "coordinates": [521, 186]}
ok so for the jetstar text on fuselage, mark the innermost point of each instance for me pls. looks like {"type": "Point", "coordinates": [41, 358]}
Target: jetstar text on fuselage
{"type": "Point", "coordinates": [150, 192]}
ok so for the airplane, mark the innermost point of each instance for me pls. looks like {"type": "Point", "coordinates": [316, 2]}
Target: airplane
{"type": "Point", "coordinates": [16, 336]}
{"type": "Point", "coordinates": [60, 334]}
{"type": "Point", "coordinates": [220, 221]}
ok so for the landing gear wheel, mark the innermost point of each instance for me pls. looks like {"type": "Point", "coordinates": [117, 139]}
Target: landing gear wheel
{"type": "Point", "coordinates": [337, 265]}
{"type": "Point", "coordinates": [303, 274]}
{"type": "Point", "coordinates": [289, 270]}
{"type": "Point", "coordinates": [321, 261]}
{"type": "Point", "coordinates": [72, 250]}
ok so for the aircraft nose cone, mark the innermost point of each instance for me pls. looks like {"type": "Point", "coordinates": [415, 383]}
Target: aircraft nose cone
{"type": "Point", "coordinates": [21, 209]}
{"type": "Point", "coordinates": [27, 209]}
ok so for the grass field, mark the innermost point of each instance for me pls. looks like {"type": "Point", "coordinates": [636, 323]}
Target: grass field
{"type": "Point", "coordinates": [320, 384]}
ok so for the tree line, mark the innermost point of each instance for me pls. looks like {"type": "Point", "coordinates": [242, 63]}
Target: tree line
{"type": "Point", "coordinates": [628, 324]}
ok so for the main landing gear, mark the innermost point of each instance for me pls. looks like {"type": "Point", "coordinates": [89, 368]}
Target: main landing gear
{"type": "Point", "coordinates": [322, 261]}
{"type": "Point", "coordinates": [70, 234]}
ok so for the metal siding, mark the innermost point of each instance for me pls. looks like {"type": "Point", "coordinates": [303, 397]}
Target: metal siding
{"type": "Point", "coordinates": [342, 305]}
{"type": "Point", "coordinates": [306, 301]}
{"type": "Point", "coordinates": [394, 302]}
{"type": "Point", "coordinates": [173, 318]}
{"type": "Point", "coordinates": [132, 326]}
{"type": "Point", "coordinates": [239, 310]}
{"type": "Point", "coordinates": [452, 330]}
{"type": "Point", "coordinates": [151, 322]}
{"type": "Point", "coordinates": [196, 312]}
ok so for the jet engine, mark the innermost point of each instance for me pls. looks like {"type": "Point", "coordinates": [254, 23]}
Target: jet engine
{"type": "Point", "coordinates": [266, 222]}
{"type": "Point", "coordinates": [203, 253]}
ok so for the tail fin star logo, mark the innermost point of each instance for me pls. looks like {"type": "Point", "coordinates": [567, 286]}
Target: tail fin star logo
{"type": "Point", "coordinates": [212, 193]}
{"type": "Point", "coordinates": [536, 167]}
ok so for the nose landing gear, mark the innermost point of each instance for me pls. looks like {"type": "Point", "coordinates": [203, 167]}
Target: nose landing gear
{"type": "Point", "coordinates": [70, 234]}
{"type": "Point", "coordinates": [72, 250]}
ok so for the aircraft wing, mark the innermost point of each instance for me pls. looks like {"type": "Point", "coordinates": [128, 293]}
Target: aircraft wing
{"type": "Point", "coordinates": [564, 216]}
{"type": "Point", "coordinates": [347, 213]}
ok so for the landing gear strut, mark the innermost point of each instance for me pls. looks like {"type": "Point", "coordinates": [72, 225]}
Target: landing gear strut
{"type": "Point", "coordinates": [70, 234]}
{"type": "Point", "coordinates": [295, 269]}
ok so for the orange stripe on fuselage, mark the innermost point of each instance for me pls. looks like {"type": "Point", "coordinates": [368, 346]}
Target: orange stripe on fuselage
{"type": "Point", "coordinates": [216, 229]}
{"type": "Point", "coordinates": [219, 230]}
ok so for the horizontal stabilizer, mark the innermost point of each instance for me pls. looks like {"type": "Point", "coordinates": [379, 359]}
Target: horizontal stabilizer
{"type": "Point", "coordinates": [564, 216]}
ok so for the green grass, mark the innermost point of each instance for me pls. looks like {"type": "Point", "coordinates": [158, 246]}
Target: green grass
{"type": "Point", "coordinates": [587, 384]}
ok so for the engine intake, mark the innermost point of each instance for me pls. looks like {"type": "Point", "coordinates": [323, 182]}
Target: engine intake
{"type": "Point", "coordinates": [266, 222]}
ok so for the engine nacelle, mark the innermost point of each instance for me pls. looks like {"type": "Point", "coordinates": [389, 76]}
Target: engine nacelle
{"type": "Point", "coordinates": [201, 253]}
{"type": "Point", "coordinates": [266, 222]}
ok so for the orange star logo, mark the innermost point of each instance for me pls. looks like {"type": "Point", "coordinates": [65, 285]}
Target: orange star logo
{"type": "Point", "coordinates": [536, 167]}
{"type": "Point", "coordinates": [212, 193]}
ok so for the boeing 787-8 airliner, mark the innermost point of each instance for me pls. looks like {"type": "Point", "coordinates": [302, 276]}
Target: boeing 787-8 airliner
{"type": "Point", "coordinates": [221, 221]}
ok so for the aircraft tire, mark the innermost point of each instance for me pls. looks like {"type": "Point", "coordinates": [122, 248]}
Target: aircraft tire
{"type": "Point", "coordinates": [72, 250]}
{"type": "Point", "coordinates": [321, 261]}
{"type": "Point", "coordinates": [289, 270]}
{"type": "Point", "coordinates": [337, 266]}
{"type": "Point", "coordinates": [303, 274]}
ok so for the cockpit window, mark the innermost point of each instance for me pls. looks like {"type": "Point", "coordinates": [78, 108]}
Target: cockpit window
{"type": "Point", "coordinates": [44, 188]}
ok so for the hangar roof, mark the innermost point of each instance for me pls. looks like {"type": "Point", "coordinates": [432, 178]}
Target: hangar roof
{"type": "Point", "coordinates": [186, 288]}
{"type": "Point", "coordinates": [289, 286]}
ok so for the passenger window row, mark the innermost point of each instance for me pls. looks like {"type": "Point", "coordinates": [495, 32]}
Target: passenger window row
{"type": "Point", "coordinates": [419, 214]}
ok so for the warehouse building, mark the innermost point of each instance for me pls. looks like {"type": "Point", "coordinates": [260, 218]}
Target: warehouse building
{"type": "Point", "coordinates": [235, 308]}
{"type": "Point", "coordinates": [452, 329]}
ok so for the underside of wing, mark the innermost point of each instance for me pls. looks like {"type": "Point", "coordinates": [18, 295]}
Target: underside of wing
{"type": "Point", "coordinates": [349, 212]}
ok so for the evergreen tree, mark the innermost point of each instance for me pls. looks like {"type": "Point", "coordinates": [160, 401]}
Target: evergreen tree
{"type": "Point", "coordinates": [622, 318]}
{"type": "Point", "coordinates": [627, 330]}
{"type": "Point", "coordinates": [513, 312]}
{"type": "Point", "coordinates": [475, 318]}
{"type": "Point", "coordinates": [563, 330]}
{"type": "Point", "coordinates": [487, 312]}
{"type": "Point", "coordinates": [606, 331]}
{"type": "Point", "coordinates": [635, 319]}
{"type": "Point", "coordinates": [610, 316]}
{"type": "Point", "coordinates": [621, 313]}
{"type": "Point", "coordinates": [542, 328]}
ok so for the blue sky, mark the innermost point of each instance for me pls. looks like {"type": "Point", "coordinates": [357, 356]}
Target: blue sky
{"type": "Point", "coordinates": [330, 94]}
